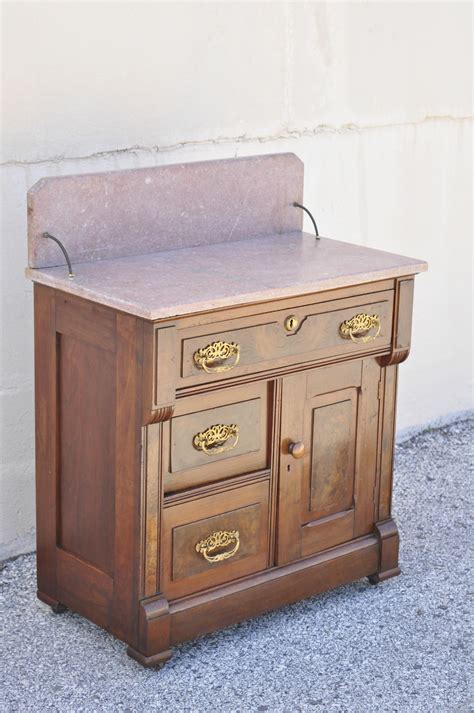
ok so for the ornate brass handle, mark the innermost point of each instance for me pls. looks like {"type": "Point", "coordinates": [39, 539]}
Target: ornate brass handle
{"type": "Point", "coordinates": [216, 541]}
{"type": "Point", "coordinates": [210, 358]}
{"type": "Point", "coordinates": [214, 439]}
{"type": "Point", "coordinates": [357, 325]}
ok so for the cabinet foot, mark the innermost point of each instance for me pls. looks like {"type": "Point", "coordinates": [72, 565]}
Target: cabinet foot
{"type": "Point", "coordinates": [55, 606]}
{"type": "Point", "coordinates": [153, 645]}
{"type": "Point", "coordinates": [150, 661]}
{"type": "Point", "coordinates": [382, 576]}
{"type": "Point", "coordinates": [387, 533]}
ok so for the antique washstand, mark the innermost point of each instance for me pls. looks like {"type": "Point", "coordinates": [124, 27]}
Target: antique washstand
{"type": "Point", "coordinates": [215, 398]}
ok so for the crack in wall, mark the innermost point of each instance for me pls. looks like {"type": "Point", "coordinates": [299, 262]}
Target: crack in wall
{"type": "Point", "coordinates": [285, 134]}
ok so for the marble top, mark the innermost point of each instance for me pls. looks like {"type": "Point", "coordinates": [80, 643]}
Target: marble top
{"type": "Point", "coordinates": [175, 283]}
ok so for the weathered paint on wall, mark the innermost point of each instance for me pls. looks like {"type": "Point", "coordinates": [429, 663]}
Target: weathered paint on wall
{"type": "Point", "coordinates": [360, 91]}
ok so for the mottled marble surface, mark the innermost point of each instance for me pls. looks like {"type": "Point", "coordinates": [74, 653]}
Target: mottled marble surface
{"type": "Point", "coordinates": [107, 215]}
{"type": "Point", "coordinates": [178, 282]}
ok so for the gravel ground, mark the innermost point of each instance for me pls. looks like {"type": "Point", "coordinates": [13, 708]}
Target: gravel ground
{"type": "Point", "coordinates": [399, 646]}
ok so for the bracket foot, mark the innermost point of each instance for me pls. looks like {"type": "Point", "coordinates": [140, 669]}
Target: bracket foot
{"type": "Point", "coordinates": [55, 606]}
{"type": "Point", "coordinates": [156, 660]}
{"type": "Point", "coordinates": [387, 532]}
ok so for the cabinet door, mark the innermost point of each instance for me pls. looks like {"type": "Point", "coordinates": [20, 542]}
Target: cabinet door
{"type": "Point", "coordinates": [328, 457]}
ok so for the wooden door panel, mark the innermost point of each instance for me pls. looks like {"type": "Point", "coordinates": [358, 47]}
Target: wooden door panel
{"type": "Point", "coordinates": [327, 496]}
{"type": "Point", "coordinates": [331, 469]}
{"type": "Point", "coordinates": [327, 532]}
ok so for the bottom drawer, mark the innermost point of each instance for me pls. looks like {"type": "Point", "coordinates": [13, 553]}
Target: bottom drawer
{"type": "Point", "coordinates": [214, 539]}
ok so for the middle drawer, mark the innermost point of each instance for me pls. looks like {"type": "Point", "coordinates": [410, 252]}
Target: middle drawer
{"type": "Point", "coordinates": [216, 436]}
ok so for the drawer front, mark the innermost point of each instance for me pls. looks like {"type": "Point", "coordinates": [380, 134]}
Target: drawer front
{"type": "Point", "coordinates": [350, 326]}
{"type": "Point", "coordinates": [215, 539]}
{"type": "Point", "coordinates": [216, 436]}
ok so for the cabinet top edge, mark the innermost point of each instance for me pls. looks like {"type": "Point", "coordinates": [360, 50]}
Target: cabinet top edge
{"type": "Point", "coordinates": [177, 283]}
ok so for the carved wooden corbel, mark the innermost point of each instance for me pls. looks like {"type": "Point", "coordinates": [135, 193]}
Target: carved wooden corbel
{"type": "Point", "coordinates": [161, 414]}
{"type": "Point", "coordinates": [159, 373]}
{"type": "Point", "coordinates": [402, 319]}
{"type": "Point", "coordinates": [396, 357]}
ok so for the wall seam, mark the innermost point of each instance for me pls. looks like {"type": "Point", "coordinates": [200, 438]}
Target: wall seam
{"type": "Point", "coordinates": [244, 139]}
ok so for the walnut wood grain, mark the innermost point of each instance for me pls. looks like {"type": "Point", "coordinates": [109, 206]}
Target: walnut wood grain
{"type": "Point", "coordinates": [128, 383]}
{"type": "Point", "coordinates": [86, 451]}
{"type": "Point", "coordinates": [151, 507]}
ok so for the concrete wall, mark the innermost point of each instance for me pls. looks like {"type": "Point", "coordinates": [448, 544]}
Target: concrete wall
{"type": "Point", "coordinates": [374, 97]}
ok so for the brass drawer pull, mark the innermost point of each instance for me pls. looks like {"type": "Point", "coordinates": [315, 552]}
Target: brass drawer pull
{"type": "Point", "coordinates": [357, 325]}
{"type": "Point", "coordinates": [216, 541]}
{"type": "Point", "coordinates": [210, 358]}
{"type": "Point", "coordinates": [214, 439]}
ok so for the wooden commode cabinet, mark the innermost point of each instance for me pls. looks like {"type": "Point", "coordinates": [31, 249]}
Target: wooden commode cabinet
{"type": "Point", "coordinates": [215, 406]}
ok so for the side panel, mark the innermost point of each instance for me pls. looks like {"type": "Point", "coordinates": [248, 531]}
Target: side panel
{"type": "Point", "coordinates": [88, 407]}
{"type": "Point", "coordinates": [46, 425]}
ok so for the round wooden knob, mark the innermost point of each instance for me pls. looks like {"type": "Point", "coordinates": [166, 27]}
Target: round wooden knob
{"type": "Point", "coordinates": [296, 449]}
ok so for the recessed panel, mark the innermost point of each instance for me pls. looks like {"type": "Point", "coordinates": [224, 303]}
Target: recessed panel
{"type": "Point", "coordinates": [332, 459]}
{"type": "Point", "coordinates": [86, 378]}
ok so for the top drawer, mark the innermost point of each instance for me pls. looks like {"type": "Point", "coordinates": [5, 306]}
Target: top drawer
{"type": "Point", "coordinates": [343, 327]}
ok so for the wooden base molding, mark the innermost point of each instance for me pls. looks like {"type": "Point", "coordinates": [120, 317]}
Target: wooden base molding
{"type": "Point", "coordinates": [164, 624]}
{"type": "Point", "coordinates": [387, 533]}
{"type": "Point", "coordinates": [154, 628]}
